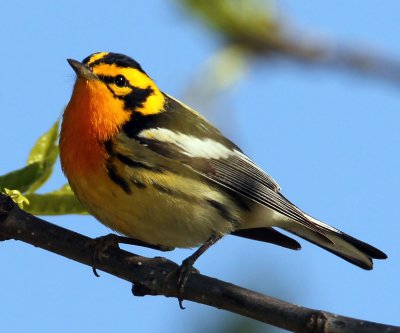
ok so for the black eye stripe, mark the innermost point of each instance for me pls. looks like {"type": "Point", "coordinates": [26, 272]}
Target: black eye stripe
{"type": "Point", "coordinates": [112, 80]}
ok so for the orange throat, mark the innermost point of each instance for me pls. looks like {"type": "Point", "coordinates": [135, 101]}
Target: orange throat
{"type": "Point", "coordinates": [92, 117]}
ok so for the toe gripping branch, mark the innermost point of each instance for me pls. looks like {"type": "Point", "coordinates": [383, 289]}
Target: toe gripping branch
{"type": "Point", "coordinates": [187, 268]}
{"type": "Point", "coordinates": [103, 243]}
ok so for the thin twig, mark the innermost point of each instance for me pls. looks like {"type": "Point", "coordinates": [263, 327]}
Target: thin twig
{"type": "Point", "coordinates": [268, 35]}
{"type": "Point", "coordinates": [358, 59]}
{"type": "Point", "coordinates": [156, 276]}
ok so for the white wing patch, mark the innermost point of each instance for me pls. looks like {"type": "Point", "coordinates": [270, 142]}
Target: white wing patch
{"type": "Point", "coordinates": [189, 145]}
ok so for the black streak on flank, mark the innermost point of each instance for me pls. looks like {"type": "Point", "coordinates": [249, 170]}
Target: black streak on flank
{"type": "Point", "coordinates": [177, 194]}
{"type": "Point", "coordinates": [239, 200]}
{"type": "Point", "coordinates": [138, 165]}
{"type": "Point", "coordinates": [117, 179]}
{"type": "Point", "coordinates": [223, 211]}
{"type": "Point", "coordinates": [108, 146]}
{"type": "Point", "coordinates": [166, 190]}
{"type": "Point", "coordinates": [138, 183]}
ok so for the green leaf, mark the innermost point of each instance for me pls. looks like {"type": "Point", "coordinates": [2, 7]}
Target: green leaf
{"type": "Point", "coordinates": [40, 165]}
{"type": "Point", "coordinates": [45, 145]}
{"type": "Point", "coordinates": [17, 197]}
{"type": "Point", "coordinates": [22, 179]}
{"type": "Point", "coordinates": [59, 202]}
{"type": "Point", "coordinates": [45, 152]}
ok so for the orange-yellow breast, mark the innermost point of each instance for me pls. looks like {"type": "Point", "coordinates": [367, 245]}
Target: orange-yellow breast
{"type": "Point", "coordinates": [92, 117]}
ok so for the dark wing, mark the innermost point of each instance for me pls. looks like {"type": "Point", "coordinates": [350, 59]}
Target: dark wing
{"type": "Point", "coordinates": [201, 147]}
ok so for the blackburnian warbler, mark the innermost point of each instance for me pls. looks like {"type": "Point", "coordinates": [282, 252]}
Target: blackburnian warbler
{"type": "Point", "coordinates": [149, 167]}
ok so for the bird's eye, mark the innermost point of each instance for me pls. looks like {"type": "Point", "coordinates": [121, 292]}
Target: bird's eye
{"type": "Point", "coordinates": [120, 81]}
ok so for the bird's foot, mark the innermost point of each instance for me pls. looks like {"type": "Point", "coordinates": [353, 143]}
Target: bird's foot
{"type": "Point", "coordinates": [100, 246]}
{"type": "Point", "coordinates": [103, 243]}
{"type": "Point", "coordinates": [184, 271]}
{"type": "Point", "coordinates": [187, 268]}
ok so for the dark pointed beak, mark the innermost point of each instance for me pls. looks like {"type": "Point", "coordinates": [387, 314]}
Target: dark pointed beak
{"type": "Point", "coordinates": [82, 70]}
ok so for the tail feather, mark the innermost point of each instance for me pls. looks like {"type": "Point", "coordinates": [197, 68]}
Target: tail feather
{"type": "Point", "coordinates": [369, 250]}
{"type": "Point", "coordinates": [342, 245]}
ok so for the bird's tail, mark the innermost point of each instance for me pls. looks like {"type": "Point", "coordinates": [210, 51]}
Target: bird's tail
{"type": "Point", "coordinates": [337, 242]}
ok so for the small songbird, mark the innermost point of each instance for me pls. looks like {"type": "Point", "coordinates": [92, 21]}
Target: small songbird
{"type": "Point", "coordinates": [151, 168]}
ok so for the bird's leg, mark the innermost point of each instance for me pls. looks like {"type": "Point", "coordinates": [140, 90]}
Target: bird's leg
{"type": "Point", "coordinates": [186, 268]}
{"type": "Point", "coordinates": [103, 243]}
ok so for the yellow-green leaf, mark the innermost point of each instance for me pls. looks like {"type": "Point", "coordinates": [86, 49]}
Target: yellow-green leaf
{"type": "Point", "coordinates": [22, 179]}
{"type": "Point", "coordinates": [45, 151]}
{"type": "Point", "coordinates": [17, 197]}
{"type": "Point", "coordinates": [45, 145]}
{"type": "Point", "coordinates": [59, 202]}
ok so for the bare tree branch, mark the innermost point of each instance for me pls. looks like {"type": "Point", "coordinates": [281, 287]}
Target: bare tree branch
{"type": "Point", "coordinates": [156, 276]}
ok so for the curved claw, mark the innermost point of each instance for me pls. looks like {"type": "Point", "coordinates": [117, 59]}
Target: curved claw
{"type": "Point", "coordinates": [102, 244]}
{"type": "Point", "coordinates": [187, 268]}
{"type": "Point", "coordinates": [184, 272]}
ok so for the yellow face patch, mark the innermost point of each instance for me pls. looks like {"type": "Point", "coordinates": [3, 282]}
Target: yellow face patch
{"type": "Point", "coordinates": [137, 80]}
{"type": "Point", "coordinates": [120, 91]}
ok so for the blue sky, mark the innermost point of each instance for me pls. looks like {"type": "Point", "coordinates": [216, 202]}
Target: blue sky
{"type": "Point", "coordinates": [330, 139]}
